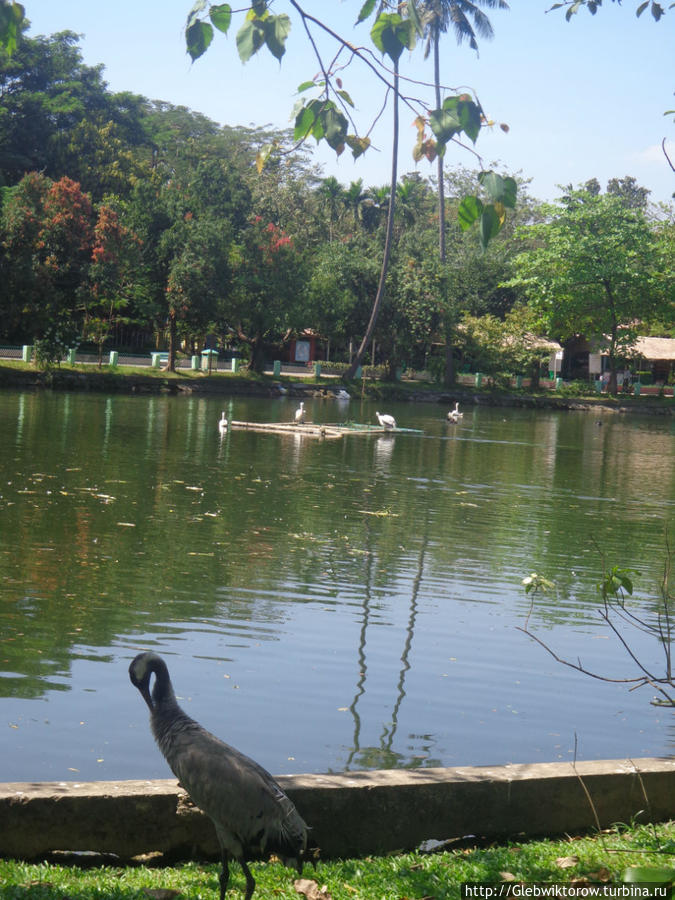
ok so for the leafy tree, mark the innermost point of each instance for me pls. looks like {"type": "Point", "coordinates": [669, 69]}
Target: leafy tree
{"type": "Point", "coordinates": [343, 279]}
{"type": "Point", "coordinates": [198, 276]}
{"type": "Point", "coordinates": [47, 92]}
{"type": "Point", "coordinates": [328, 116]}
{"type": "Point", "coordinates": [267, 286]}
{"type": "Point", "coordinates": [629, 191]}
{"type": "Point", "coordinates": [49, 238]}
{"type": "Point", "coordinates": [596, 267]}
{"type": "Point", "coordinates": [112, 276]}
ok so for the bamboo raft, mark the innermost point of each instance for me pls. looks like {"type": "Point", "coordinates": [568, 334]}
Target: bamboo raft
{"type": "Point", "coordinates": [309, 429]}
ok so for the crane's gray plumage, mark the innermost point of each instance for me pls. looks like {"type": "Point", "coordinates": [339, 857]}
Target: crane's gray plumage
{"type": "Point", "coordinates": [252, 815]}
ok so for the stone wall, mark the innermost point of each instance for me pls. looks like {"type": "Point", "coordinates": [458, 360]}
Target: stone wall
{"type": "Point", "coordinates": [352, 814]}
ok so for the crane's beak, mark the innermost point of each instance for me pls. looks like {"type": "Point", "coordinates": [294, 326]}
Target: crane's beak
{"type": "Point", "coordinates": [142, 683]}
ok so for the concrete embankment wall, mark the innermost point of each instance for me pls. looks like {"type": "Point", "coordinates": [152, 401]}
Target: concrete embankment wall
{"type": "Point", "coordinates": [351, 814]}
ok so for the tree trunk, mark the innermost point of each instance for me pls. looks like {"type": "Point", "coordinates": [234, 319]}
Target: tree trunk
{"type": "Point", "coordinates": [377, 303]}
{"type": "Point", "coordinates": [171, 363]}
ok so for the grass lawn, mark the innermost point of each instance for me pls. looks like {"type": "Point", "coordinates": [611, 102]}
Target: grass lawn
{"type": "Point", "coordinates": [594, 859]}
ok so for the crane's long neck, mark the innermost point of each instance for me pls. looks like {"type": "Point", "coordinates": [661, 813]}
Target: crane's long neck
{"type": "Point", "coordinates": [166, 716]}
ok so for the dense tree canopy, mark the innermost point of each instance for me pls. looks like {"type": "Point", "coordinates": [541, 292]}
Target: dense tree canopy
{"type": "Point", "coordinates": [142, 223]}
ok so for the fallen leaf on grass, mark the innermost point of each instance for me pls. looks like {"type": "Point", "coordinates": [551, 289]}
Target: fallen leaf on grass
{"type": "Point", "coordinates": [566, 862]}
{"type": "Point", "coordinates": [311, 889]}
{"type": "Point", "coordinates": [602, 874]}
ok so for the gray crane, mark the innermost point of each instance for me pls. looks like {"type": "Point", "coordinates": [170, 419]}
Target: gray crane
{"type": "Point", "coordinates": [252, 815]}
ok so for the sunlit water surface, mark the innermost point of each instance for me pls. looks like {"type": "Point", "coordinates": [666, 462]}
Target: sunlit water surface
{"type": "Point", "coordinates": [323, 605]}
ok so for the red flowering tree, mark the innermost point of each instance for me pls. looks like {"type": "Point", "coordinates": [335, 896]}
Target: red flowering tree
{"type": "Point", "coordinates": [114, 264]}
{"type": "Point", "coordinates": [49, 229]}
{"type": "Point", "coordinates": [268, 282]}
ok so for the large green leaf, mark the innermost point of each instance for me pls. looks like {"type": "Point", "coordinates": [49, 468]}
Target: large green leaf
{"type": "Point", "coordinates": [221, 16]}
{"type": "Point", "coordinates": [489, 225]}
{"type": "Point", "coordinates": [499, 189]}
{"type": "Point", "coordinates": [277, 29]}
{"type": "Point", "coordinates": [469, 114]}
{"type": "Point", "coordinates": [308, 121]}
{"type": "Point", "coordinates": [469, 211]}
{"type": "Point", "coordinates": [197, 38]}
{"type": "Point", "coordinates": [366, 10]}
{"type": "Point", "coordinates": [335, 127]}
{"type": "Point", "coordinates": [11, 19]}
{"type": "Point", "coordinates": [444, 124]}
{"type": "Point", "coordinates": [250, 38]}
{"type": "Point", "coordinates": [391, 34]}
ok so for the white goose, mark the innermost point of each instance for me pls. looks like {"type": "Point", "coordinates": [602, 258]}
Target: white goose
{"type": "Point", "coordinates": [222, 423]}
{"type": "Point", "coordinates": [300, 414]}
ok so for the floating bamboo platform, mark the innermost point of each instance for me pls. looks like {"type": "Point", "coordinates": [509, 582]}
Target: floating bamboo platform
{"type": "Point", "coordinates": [309, 429]}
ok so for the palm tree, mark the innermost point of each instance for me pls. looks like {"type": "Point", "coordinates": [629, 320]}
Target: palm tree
{"type": "Point", "coordinates": [332, 193]}
{"type": "Point", "coordinates": [468, 23]}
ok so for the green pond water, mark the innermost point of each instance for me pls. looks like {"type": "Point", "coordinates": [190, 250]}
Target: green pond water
{"type": "Point", "coordinates": [322, 605]}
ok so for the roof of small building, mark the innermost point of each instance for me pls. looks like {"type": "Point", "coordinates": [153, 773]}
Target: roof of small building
{"type": "Point", "coordinates": [655, 347]}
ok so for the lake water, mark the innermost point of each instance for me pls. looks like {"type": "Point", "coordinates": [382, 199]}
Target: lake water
{"type": "Point", "coordinates": [322, 605]}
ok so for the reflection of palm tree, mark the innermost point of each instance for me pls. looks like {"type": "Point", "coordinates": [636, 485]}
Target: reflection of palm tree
{"type": "Point", "coordinates": [384, 756]}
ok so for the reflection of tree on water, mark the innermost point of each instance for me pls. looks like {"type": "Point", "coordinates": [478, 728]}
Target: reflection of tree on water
{"type": "Point", "coordinates": [384, 757]}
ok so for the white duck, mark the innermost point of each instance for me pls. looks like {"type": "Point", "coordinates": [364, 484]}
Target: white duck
{"type": "Point", "coordinates": [223, 423]}
{"type": "Point", "coordinates": [386, 421]}
{"type": "Point", "coordinates": [300, 414]}
{"type": "Point", "coordinates": [455, 415]}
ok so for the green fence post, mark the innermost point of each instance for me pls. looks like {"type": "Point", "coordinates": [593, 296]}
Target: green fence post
{"type": "Point", "coordinates": [317, 370]}
{"type": "Point", "coordinates": [71, 356]}
{"type": "Point", "coordinates": [194, 362]}
{"type": "Point", "coordinates": [114, 356]}
{"type": "Point", "coordinates": [277, 368]}
{"type": "Point", "coordinates": [235, 363]}
{"type": "Point", "coordinates": [26, 352]}
{"type": "Point", "coordinates": [478, 380]}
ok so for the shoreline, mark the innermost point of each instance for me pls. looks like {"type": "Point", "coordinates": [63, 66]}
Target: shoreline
{"type": "Point", "coordinates": [102, 381]}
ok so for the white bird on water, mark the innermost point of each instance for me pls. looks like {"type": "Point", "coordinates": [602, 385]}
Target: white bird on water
{"type": "Point", "coordinates": [386, 421]}
{"type": "Point", "coordinates": [300, 414]}
{"type": "Point", "coordinates": [222, 423]}
{"type": "Point", "coordinates": [455, 415]}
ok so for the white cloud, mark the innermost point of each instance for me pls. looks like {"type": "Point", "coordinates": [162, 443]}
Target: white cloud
{"type": "Point", "coordinates": [654, 155]}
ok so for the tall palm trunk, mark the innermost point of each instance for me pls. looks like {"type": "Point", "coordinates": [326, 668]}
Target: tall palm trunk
{"type": "Point", "coordinates": [377, 303]}
{"type": "Point", "coordinates": [448, 331]}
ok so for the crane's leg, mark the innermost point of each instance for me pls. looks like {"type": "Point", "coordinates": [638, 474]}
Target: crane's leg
{"type": "Point", "coordinates": [224, 875]}
{"type": "Point", "coordinates": [250, 881]}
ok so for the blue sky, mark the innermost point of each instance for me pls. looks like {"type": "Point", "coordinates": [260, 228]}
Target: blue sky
{"type": "Point", "coordinates": [582, 99]}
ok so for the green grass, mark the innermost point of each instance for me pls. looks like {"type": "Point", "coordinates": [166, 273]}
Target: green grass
{"type": "Point", "coordinates": [411, 875]}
